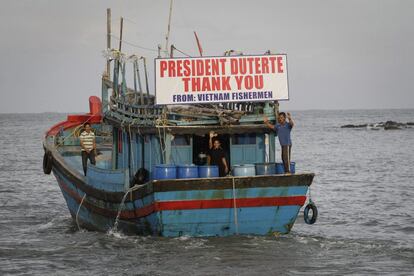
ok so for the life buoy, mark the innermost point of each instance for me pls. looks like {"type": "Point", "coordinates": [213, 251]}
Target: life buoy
{"type": "Point", "coordinates": [310, 206]}
{"type": "Point", "coordinates": [47, 163]}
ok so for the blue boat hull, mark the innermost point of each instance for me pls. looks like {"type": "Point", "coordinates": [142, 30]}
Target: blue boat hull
{"type": "Point", "coordinates": [191, 207]}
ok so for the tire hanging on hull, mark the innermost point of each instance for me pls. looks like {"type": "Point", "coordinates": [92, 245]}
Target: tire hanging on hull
{"type": "Point", "coordinates": [47, 163]}
{"type": "Point", "coordinates": [310, 206]}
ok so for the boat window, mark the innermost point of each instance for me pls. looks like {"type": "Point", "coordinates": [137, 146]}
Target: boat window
{"type": "Point", "coordinates": [181, 140]}
{"type": "Point", "coordinates": [244, 139]}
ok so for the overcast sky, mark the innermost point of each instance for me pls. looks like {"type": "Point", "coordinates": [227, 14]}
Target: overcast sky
{"type": "Point", "coordinates": [341, 54]}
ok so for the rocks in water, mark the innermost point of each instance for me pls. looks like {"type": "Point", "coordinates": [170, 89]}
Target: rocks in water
{"type": "Point", "coordinates": [354, 126]}
{"type": "Point", "coordinates": [388, 125]}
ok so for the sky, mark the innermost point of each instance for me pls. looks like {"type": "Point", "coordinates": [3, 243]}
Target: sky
{"type": "Point", "coordinates": [349, 54]}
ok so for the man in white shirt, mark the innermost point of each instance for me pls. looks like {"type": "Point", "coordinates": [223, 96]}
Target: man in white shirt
{"type": "Point", "coordinates": [88, 146]}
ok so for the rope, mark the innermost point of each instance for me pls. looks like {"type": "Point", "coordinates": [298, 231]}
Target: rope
{"type": "Point", "coordinates": [181, 52]}
{"type": "Point", "coordinates": [310, 196]}
{"type": "Point", "coordinates": [236, 222]}
{"type": "Point", "coordinates": [143, 141]}
{"type": "Point", "coordinates": [158, 123]}
{"type": "Point", "coordinates": [77, 213]}
{"type": "Point", "coordinates": [134, 44]}
{"type": "Point", "coordinates": [162, 141]}
{"type": "Point", "coordinates": [122, 203]}
{"type": "Point", "coordinates": [130, 20]}
{"type": "Point", "coordinates": [267, 147]}
{"type": "Point", "coordinates": [164, 121]}
{"type": "Point", "coordinates": [130, 148]}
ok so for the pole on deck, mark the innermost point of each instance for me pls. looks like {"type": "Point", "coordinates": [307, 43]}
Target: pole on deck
{"type": "Point", "coordinates": [169, 27]}
{"type": "Point", "coordinates": [120, 33]}
{"type": "Point", "coordinates": [146, 81]}
{"type": "Point", "coordinates": [172, 51]}
{"type": "Point", "coordinates": [108, 41]}
{"type": "Point", "coordinates": [139, 83]}
{"type": "Point", "coordinates": [118, 61]}
{"type": "Point", "coordinates": [159, 50]}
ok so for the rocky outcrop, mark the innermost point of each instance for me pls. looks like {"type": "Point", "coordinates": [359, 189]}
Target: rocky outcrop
{"type": "Point", "coordinates": [388, 125]}
{"type": "Point", "coordinates": [354, 126]}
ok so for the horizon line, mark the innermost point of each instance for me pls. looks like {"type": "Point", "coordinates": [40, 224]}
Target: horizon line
{"type": "Point", "coordinates": [310, 109]}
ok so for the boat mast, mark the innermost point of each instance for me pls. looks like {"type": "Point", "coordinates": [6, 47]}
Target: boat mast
{"type": "Point", "coordinates": [108, 41]}
{"type": "Point", "coordinates": [120, 34]}
{"type": "Point", "coordinates": [169, 28]}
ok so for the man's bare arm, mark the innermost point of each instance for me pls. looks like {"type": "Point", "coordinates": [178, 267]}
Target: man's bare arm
{"type": "Point", "coordinates": [210, 141]}
{"type": "Point", "coordinates": [267, 123]}
{"type": "Point", "coordinates": [226, 168]}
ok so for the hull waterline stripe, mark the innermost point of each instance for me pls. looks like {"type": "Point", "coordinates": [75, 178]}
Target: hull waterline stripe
{"type": "Point", "coordinates": [187, 204]}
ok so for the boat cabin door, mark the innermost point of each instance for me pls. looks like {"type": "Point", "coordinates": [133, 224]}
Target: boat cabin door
{"type": "Point", "coordinates": [201, 148]}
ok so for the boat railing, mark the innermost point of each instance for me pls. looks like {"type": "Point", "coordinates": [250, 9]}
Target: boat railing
{"type": "Point", "coordinates": [62, 140]}
{"type": "Point", "coordinates": [127, 108]}
{"type": "Point", "coordinates": [138, 107]}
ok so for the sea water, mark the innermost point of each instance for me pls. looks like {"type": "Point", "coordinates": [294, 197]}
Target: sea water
{"type": "Point", "coordinates": [364, 190]}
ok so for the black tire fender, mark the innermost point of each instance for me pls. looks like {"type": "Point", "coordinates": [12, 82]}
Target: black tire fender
{"type": "Point", "coordinates": [47, 163]}
{"type": "Point", "coordinates": [310, 206]}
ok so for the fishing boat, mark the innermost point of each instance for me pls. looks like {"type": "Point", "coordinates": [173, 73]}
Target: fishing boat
{"type": "Point", "coordinates": [151, 176]}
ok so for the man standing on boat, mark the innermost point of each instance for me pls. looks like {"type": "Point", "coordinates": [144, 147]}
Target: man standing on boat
{"type": "Point", "coordinates": [217, 156]}
{"type": "Point", "coordinates": [88, 146]}
{"type": "Point", "coordinates": [283, 129]}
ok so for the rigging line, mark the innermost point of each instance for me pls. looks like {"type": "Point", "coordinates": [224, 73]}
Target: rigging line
{"type": "Point", "coordinates": [163, 147]}
{"type": "Point", "coordinates": [77, 213]}
{"type": "Point", "coordinates": [130, 147]}
{"type": "Point", "coordinates": [115, 20]}
{"type": "Point", "coordinates": [165, 137]}
{"type": "Point", "coordinates": [130, 20]}
{"type": "Point", "coordinates": [182, 52]}
{"type": "Point", "coordinates": [134, 45]}
{"type": "Point", "coordinates": [310, 196]}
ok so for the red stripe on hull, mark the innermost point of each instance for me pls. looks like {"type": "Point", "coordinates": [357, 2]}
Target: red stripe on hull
{"type": "Point", "coordinates": [228, 203]}
{"type": "Point", "coordinates": [188, 204]}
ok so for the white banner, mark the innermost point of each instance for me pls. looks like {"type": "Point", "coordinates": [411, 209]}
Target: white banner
{"type": "Point", "coordinates": [221, 79]}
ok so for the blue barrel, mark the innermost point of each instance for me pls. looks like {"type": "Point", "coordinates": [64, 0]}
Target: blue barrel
{"type": "Point", "coordinates": [265, 168]}
{"type": "Point", "coordinates": [280, 169]}
{"type": "Point", "coordinates": [208, 171]}
{"type": "Point", "coordinates": [292, 167]}
{"type": "Point", "coordinates": [187, 171]}
{"type": "Point", "coordinates": [244, 170]}
{"type": "Point", "coordinates": [165, 171]}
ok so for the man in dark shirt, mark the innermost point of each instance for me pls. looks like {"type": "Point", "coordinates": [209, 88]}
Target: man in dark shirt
{"type": "Point", "coordinates": [217, 156]}
{"type": "Point", "coordinates": [283, 129]}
